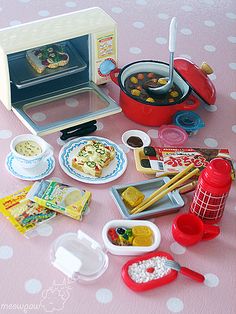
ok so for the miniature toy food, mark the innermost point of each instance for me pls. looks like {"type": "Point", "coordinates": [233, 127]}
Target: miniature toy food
{"type": "Point", "coordinates": [50, 56]}
{"type": "Point", "coordinates": [93, 157]}
{"type": "Point", "coordinates": [137, 85]}
{"type": "Point", "coordinates": [28, 148]}
{"type": "Point", "coordinates": [132, 196]}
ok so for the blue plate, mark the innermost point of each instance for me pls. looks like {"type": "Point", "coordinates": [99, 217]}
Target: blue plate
{"type": "Point", "coordinates": [30, 174]}
{"type": "Point", "coordinates": [113, 171]}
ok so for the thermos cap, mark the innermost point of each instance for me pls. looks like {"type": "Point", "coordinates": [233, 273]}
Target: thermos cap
{"type": "Point", "coordinates": [218, 172]}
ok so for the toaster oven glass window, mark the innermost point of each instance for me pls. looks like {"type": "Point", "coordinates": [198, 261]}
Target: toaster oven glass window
{"type": "Point", "coordinates": [86, 101]}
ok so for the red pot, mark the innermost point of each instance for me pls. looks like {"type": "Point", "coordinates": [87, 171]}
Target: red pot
{"type": "Point", "coordinates": [156, 114]}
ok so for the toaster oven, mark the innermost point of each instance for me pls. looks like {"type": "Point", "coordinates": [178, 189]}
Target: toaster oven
{"type": "Point", "coordinates": [60, 97]}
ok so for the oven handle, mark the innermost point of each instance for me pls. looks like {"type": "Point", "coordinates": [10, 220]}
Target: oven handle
{"type": "Point", "coordinates": [114, 75]}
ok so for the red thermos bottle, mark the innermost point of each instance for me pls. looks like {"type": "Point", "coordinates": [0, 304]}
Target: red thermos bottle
{"type": "Point", "coordinates": [212, 190]}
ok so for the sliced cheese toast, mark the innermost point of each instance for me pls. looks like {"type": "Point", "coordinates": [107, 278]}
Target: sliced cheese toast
{"type": "Point", "coordinates": [93, 157]}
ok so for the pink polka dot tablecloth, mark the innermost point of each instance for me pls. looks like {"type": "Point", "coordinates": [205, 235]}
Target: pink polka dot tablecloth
{"type": "Point", "coordinates": [29, 282]}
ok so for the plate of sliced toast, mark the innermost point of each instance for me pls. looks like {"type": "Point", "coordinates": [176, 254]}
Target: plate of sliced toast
{"type": "Point", "coordinates": [92, 159]}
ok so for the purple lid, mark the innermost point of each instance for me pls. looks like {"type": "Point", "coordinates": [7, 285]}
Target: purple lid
{"type": "Point", "coordinates": [172, 135]}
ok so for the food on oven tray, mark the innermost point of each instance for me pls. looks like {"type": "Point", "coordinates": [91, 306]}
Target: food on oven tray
{"type": "Point", "coordinates": [132, 196]}
{"type": "Point", "coordinates": [136, 84]}
{"type": "Point", "coordinates": [93, 157]}
{"type": "Point", "coordinates": [50, 56]}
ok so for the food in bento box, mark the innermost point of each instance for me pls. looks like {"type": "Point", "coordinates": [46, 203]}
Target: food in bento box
{"type": "Point", "coordinates": [50, 56]}
{"type": "Point", "coordinates": [135, 236]}
{"type": "Point", "coordinates": [93, 158]}
{"type": "Point", "coordinates": [132, 196]}
{"type": "Point", "coordinates": [137, 83]}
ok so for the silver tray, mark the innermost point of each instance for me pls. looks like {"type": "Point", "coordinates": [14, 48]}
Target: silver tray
{"type": "Point", "coordinates": [171, 203]}
{"type": "Point", "coordinates": [23, 75]}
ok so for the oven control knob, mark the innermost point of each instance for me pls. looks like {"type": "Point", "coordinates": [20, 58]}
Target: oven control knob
{"type": "Point", "coordinates": [107, 66]}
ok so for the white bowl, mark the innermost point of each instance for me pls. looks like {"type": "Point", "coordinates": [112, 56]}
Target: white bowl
{"type": "Point", "coordinates": [142, 135]}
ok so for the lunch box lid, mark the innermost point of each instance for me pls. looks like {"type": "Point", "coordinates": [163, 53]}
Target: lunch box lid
{"type": "Point", "coordinates": [197, 78]}
{"type": "Point", "coordinates": [79, 256]}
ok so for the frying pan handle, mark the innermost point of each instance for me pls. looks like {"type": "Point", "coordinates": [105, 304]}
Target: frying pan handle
{"type": "Point", "coordinates": [191, 103]}
{"type": "Point", "coordinates": [192, 274]}
{"type": "Point", "coordinates": [114, 74]}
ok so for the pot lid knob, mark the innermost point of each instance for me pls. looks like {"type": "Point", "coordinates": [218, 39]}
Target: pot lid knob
{"type": "Point", "coordinates": [206, 68]}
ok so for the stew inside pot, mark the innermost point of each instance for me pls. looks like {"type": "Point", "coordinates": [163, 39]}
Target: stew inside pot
{"type": "Point", "coordinates": [136, 84]}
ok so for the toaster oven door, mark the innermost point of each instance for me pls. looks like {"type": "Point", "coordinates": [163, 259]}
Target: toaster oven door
{"type": "Point", "coordinates": [70, 108]}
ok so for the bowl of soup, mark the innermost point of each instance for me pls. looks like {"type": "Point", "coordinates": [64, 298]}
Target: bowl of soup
{"type": "Point", "coordinates": [143, 106]}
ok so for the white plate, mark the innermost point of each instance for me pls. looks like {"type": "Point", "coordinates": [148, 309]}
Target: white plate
{"type": "Point", "coordinates": [29, 174]}
{"type": "Point", "coordinates": [142, 135]}
{"type": "Point", "coordinates": [113, 171]}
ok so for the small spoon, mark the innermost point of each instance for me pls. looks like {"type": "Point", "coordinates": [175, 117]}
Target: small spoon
{"type": "Point", "coordinates": [150, 85]}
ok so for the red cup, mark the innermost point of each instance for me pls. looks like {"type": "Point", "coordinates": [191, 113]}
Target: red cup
{"type": "Point", "coordinates": [188, 229]}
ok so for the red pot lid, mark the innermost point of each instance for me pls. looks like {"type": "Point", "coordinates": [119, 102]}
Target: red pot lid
{"type": "Point", "coordinates": [197, 78]}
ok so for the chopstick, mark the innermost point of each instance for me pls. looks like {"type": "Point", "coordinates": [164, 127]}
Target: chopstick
{"type": "Point", "coordinates": [156, 196]}
{"type": "Point", "coordinates": [163, 187]}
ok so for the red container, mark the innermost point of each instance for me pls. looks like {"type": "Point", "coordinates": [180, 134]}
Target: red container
{"type": "Point", "coordinates": [212, 190]}
{"type": "Point", "coordinates": [156, 114]}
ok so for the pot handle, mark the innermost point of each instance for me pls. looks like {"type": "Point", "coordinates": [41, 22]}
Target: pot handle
{"type": "Point", "coordinates": [191, 103]}
{"type": "Point", "coordinates": [114, 74]}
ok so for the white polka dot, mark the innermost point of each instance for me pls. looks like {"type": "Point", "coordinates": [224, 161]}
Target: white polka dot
{"type": "Point", "coordinates": [44, 230]}
{"type": "Point", "coordinates": [72, 102]}
{"type": "Point", "coordinates": [211, 108]}
{"type": "Point", "coordinates": [117, 10]}
{"type": "Point", "coordinates": [187, 8]}
{"type": "Point", "coordinates": [232, 39]}
{"type": "Point", "coordinates": [234, 128]}
{"type": "Point", "coordinates": [33, 286]}
{"type": "Point", "coordinates": [99, 125]}
{"type": "Point", "coordinates": [104, 296]}
{"type": "Point", "coordinates": [209, 23]}
{"type": "Point", "coordinates": [234, 207]}
{"type": "Point", "coordinates": [212, 77]}
{"type": "Point", "coordinates": [178, 249]}
{"type": "Point", "coordinates": [231, 15]}
{"type": "Point", "coordinates": [161, 40]}
{"type": "Point", "coordinates": [138, 24]}
{"type": "Point", "coordinates": [211, 280]}
{"type": "Point", "coordinates": [141, 2]}
{"type": "Point", "coordinates": [186, 56]}
{"type": "Point", "coordinates": [135, 50]}
{"type": "Point", "coordinates": [186, 31]}
{"type": "Point", "coordinates": [209, 48]}
{"type": "Point", "coordinates": [39, 116]}
{"type": "Point", "coordinates": [6, 252]}
{"type": "Point", "coordinates": [15, 22]}
{"type": "Point", "coordinates": [60, 142]}
{"type": "Point", "coordinates": [153, 133]}
{"type": "Point", "coordinates": [124, 148]}
{"type": "Point", "coordinates": [211, 142]}
{"type": "Point", "coordinates": [0, 9]}
{"type": "Point", "coordinates": [70, 4]}
{"type": "Point", "coordinates": [233, 95]}
{"type": "Point", "coordinates": [163, 16]}
{"type": "Point", "coordinates": [43, 13]}
{"type": "Point", "coordinates": [56, 179]}
{"type": "Point", "coordinates": [175, 305]}
{"type": "Point", "coordinates": [5, 134]}
{"type": "Point", "coordinates": [24, 1]}
{"type": "Point", "coordinates": [232, 65]}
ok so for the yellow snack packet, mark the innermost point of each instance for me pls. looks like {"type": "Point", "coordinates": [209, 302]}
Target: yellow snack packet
{"type": "Point", "coordinates": [23, 213]}
{"type": "Point", "coordinates": [62, 198]}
